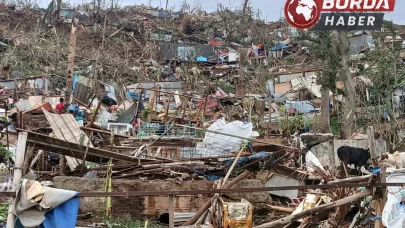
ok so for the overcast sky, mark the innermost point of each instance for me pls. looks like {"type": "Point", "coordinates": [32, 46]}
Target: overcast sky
{"type": "Point", "coordinates": [270, 9]}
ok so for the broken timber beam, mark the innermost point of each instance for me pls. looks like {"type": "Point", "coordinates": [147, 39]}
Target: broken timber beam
{"type": "Point", "coordinates": [75, 150]}
{"type": "Point", "coordinates": [328, 206]}
{"type": "Point", "coordinates": [352, 179]}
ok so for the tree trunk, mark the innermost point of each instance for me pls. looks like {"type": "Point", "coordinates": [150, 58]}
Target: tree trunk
{"type": "Point", "coordinates": [345, 72]}
{"type": "Point", "coordinates": [347, 121]}
{"type": "Point", "coordinates": [245, 4]}
{"type": "Point", "coordinates": [325, 113]}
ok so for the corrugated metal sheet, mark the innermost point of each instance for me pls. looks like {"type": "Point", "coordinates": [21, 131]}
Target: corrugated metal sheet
{"type": "Point", "coordinates": [8, 84]}
{"type": "Point", "coordinates": [289, 77]}
{"type": "Point", "coordinates": [128, 115]}
{"type": "Point", "coordinates": [23, 105]}
{"type": "Point", "coordinates": [270, 86]}
{"type": "Point", "coordinates": [360, 43]}
{"type": "Point", "coordinates": [82, 92]}
{"type": "Point", "coordinates": [308, 83]}
{"type": "Point", "coordinates": [65, 127]}
{"type": "Point", "coordinates": [170, 87]}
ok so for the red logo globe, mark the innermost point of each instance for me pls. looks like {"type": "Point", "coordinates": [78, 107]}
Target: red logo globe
{"type": "Point", "coordinates": [302, 14]}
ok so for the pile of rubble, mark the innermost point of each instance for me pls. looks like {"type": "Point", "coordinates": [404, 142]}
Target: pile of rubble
{"type": "Point", "coordinates": [159, 103]}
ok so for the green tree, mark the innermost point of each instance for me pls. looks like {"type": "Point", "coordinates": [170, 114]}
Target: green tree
{"type": "Point", "coordinates": [386, 75]}
{"type": "Point", "coordinates": [323, 46]}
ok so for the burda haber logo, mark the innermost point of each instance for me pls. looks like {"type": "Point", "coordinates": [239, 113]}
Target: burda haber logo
{"type": "Point", "coordinates": [337, 14]}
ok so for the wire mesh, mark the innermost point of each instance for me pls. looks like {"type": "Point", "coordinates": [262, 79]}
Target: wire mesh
{"type": "Point", "coordinates": [148, 130]}
{"type": "Point", "coordinates": [206, 144]}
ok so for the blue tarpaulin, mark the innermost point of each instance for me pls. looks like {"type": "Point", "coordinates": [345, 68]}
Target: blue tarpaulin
{"type": "Point", "coordinates": [133, 95]}
{"type": "Point", "coordinates": [278, 47]}
{"type": "Point", "coordinates": [201, 59]}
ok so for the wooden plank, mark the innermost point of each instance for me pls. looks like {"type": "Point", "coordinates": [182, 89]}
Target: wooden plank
{"type": "Point", "coordinates": [75, 150]}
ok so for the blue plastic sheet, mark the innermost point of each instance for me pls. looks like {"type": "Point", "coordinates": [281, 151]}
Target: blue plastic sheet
{"type": "Point", "coordinates": [377, 170]}
{"type": "Point", "coordinates": [133, 95]}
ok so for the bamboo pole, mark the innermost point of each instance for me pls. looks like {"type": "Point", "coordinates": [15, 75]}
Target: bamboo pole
{"type": "Point", "coordinates": [232, 166]}
{"type": "Point", "coordinates": [18, 173]}
{"type": "Point", "coordinates": [328, 206]}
